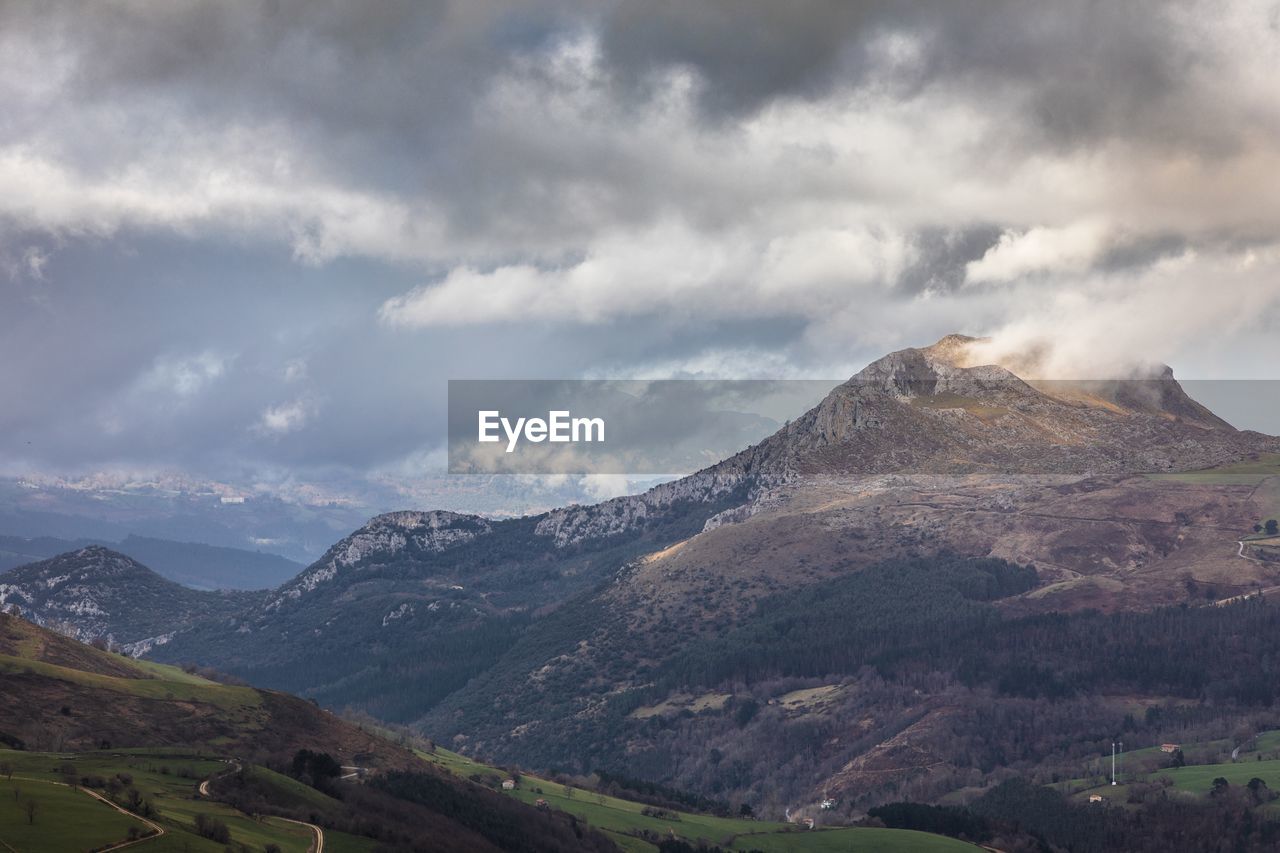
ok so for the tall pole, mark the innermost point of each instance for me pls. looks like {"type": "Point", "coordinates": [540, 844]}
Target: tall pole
{"type": "Point", "coordinates": [1113, 762]}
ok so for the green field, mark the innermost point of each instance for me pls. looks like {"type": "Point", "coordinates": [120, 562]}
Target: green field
{"type": "Point", "coordinates": [1248, 473]}
{"type": "Point", "coordinates": [169, 781]}
{"type": "Point", "coordinates": [1199, 779]}
{"type": "Point", "coordinates": [854, 839]}
{"type": "Point", "coordinates": [623, 819]}
{"type": "Point", "coordinates": [1260, 760]}
{"type": "Point", "coordinates": [65, 820]}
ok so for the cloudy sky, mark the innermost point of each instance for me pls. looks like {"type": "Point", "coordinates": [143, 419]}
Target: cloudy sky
{"type": "Point", "coordinates": [246, 237]}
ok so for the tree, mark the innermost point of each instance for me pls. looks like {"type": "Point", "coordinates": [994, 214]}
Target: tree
{"type": "Point", "coordinates": [212, 828]}
{"type": "Point", "coordinates": [32, 808]}
{"type": "Point", "coordinates": [1272, 527]}
{"type": "Point", "coordinates": [1220, 787]}
{"type": "Point", "coordinates": [6, 769]}
{"type": "Point", "coordinates": [315, 766]}
{"type": "Point", "coordinates": [745, 810]}
{"type": "Point", "coordinates": [1259, 791]}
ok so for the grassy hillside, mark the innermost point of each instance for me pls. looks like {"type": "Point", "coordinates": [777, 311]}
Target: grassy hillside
{"type": "Point", "coordinates": [72, 820]}
{"type": "Point", "coordinates": [92, 725]}
{"type": "Point", "coordinates": [78, 697]}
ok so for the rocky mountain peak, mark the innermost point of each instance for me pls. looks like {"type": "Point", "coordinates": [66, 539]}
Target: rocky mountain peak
{"type": "Point", "coordinates": [937, 369]}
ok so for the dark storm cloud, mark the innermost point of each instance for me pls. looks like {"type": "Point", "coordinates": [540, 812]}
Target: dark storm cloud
{"type": "Point", "coordinates": [1084, 69]}
{"type": "Point", "coordinates": [942, 255]}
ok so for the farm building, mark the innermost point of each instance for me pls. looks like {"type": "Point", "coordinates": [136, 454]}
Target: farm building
{"type": "Point", "coordinates": [1170, 747]}
{"type": "Point", "coordinates": [508, 784]}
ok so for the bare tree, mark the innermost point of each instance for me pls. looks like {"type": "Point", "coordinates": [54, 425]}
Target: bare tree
{"type": "Point", "coordinates": [6, 769]}
{"type": "Point", "coordinates": [32, 808]}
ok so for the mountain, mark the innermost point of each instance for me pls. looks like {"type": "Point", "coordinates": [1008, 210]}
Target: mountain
{"type": "Point", "coordinates": [448, 593]}
{"type": "Point", "coordinates": [95, 593]}
{"type": "Point", "coordinates": [756, 631]}
{"type": "Point", "coordinates": [188, 563]}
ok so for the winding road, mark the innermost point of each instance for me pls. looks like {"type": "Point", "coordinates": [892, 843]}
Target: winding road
{"type": "Point", "coordinates": [317, 844]}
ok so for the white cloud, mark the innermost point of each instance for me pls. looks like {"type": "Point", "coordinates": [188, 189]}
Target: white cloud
{"type": "Point", "coordinates": [671, 269]}
{"type": "Point", "coordinates": [601, 487]}
{"type": "Point", "coordinates": [1069, 249]}
{"type": "Point", "coordinates": [284, 418]}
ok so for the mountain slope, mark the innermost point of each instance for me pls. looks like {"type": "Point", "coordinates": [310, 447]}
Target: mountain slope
{"type": "Point", "coordinates": [61, 697]}
{"type": "Point", "coordinates": [63, 694]}
{"type": "Point", "coordinates": [96, 593]}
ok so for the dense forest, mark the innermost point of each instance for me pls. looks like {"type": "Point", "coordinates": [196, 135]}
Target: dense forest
{"type": "Point", "coordinates": [935, 616]}
{"type": "Point", "coordinates": [865, 617]}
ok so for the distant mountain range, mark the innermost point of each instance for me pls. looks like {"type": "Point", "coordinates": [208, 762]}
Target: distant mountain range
{"type": "Point", "coordinates": [296, 522]}
{"type": "Point", "coordinates": [784, 625]}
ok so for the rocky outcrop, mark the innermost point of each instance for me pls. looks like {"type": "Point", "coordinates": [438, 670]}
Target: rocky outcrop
{"type": "Point", "coordinates": [385, 536]}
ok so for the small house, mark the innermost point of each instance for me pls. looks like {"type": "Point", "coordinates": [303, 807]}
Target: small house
{"type": "Point", "coordinates": [1097, 798]}
{"type": "Point", "coordinates": [1170, 747]}
{"type": "Point", "coordinates": [541, 803]}
{"type": "Point", "coordinates": [508, 784]}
